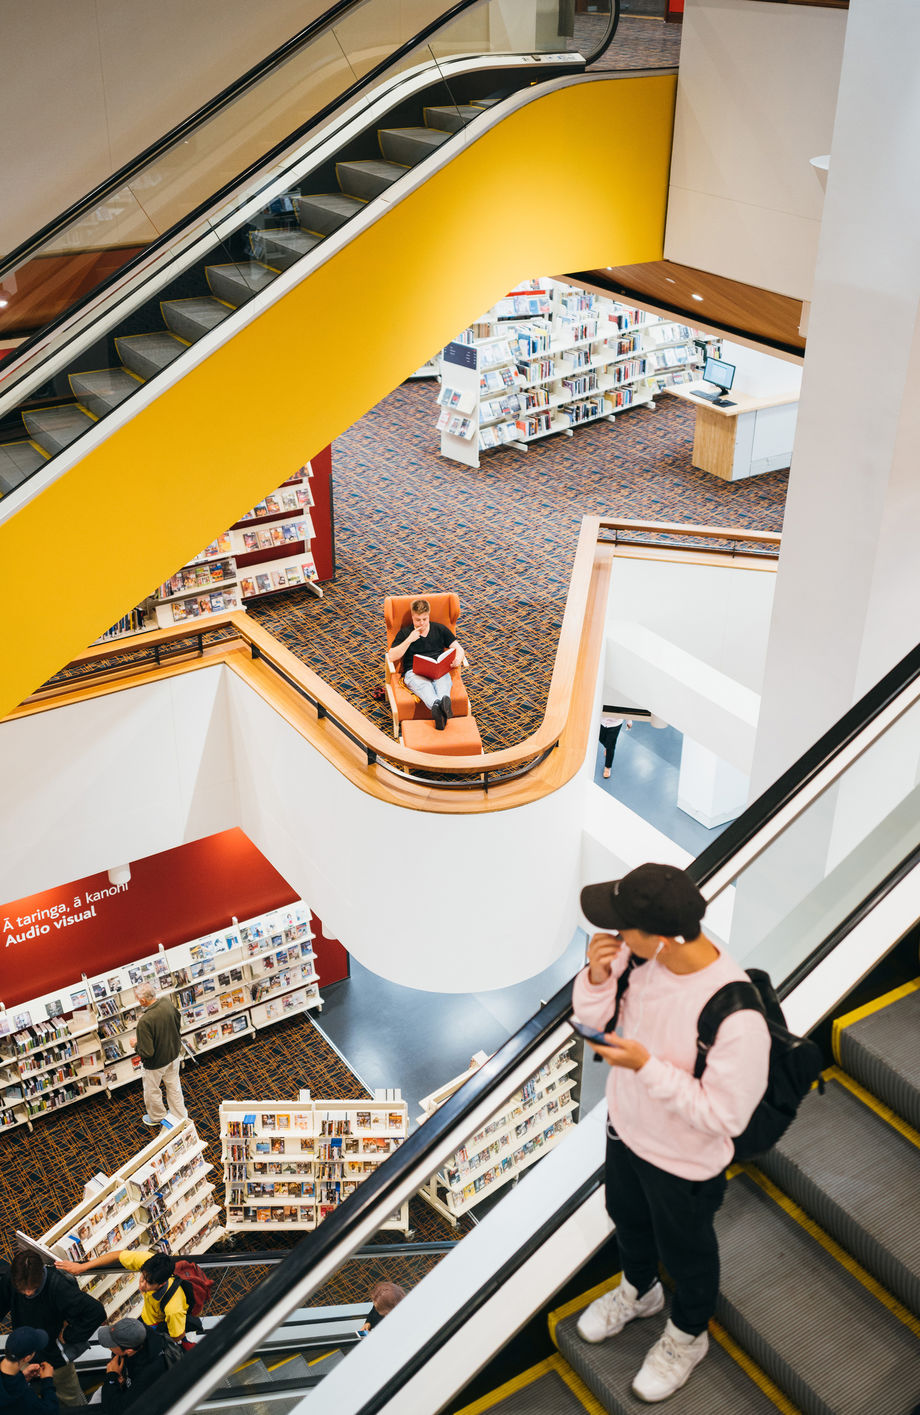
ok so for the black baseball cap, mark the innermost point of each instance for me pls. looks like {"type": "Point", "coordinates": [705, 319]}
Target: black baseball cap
{"type": "Point", "coordinates": [25, 1341]}
{"type": "Point", "coordinates": [658, 899]}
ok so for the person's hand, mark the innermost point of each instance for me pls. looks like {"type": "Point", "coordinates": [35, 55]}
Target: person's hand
{"type": "Point", "coordinates": [413, 636]}
{"type": "Point", "coordinates": [67, 1267]}
{"type": "Point", "coordinates": [45, 1371]}
{"type": "Point", "coordinates": [117, 1365]}
{"type": "Point", "coordinates": [624, 1052]}
{"type": "Point", "coordinates": [32, 1369]}
{"type": "Point", "coordinates": [602, 949]}
{"type": "Point", "coordinates": [132, 1042]}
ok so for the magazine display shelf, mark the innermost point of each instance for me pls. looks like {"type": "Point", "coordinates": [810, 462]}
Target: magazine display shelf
{"type": "Point", "coordinates": [76, 1041]}
{"type": "Point", "coordinates": [549, 358]}
{"type": "Point", "coordinates": [161, 1196]}
{"type": "Point", "coordinates": [267, 551]}
{"type": "Point", "coordinates": [532, 1123]}
{"type": "Point", "coordinates": [287, 1164]}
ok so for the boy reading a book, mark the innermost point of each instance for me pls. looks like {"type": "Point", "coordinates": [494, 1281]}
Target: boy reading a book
{"type": "Point", "coordinates": [431, 641]}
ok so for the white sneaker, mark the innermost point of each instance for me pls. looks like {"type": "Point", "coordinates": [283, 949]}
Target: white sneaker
{"type": "Point", "coordinates": [610, 1313]}
{"type": "Point", "coordinates": [669, 1363]}
{"type": "Point", "coordinates": [149, 1120]}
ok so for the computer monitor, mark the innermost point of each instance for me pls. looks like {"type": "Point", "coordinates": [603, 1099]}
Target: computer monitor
{"type": "Point", "coordinates": [720, 373]}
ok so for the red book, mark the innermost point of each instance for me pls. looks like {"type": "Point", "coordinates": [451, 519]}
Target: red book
{"type": "Point", "coordinates": [434, 667]}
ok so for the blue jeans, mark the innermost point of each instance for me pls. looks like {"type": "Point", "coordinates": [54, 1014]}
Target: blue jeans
{"type": "Point", "coordinates": [430, 690]}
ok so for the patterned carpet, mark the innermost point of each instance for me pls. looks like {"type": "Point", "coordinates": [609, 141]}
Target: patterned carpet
{"type": "Point", "coordinates": [639, 43]}
{"type": "Point", "coordinates": [503, 535]}
{"type": "Point", "coordinates": [43, 1173]}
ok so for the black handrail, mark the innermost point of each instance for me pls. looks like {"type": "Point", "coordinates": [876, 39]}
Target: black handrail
{"type": "Point", "coordinates": [376, 1194]}
{"type": "Point", "coordinates": [346, 96]}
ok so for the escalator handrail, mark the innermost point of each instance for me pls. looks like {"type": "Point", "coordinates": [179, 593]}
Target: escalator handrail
{"type": "Point", "coordinates": [23, 351]}
{"type": "Point", "coordinates": [755, 818]}
{"type": "Point", "coordinates": [373, 1196]}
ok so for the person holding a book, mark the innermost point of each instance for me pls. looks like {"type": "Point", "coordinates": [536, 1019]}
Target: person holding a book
{"type": "Point", "coordinates": [435, 644]}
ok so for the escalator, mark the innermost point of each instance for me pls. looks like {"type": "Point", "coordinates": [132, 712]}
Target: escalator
{"type": "Point", "coordinates": [257, 327]}
{"type": "Point", "coordinates": [820, 1298]}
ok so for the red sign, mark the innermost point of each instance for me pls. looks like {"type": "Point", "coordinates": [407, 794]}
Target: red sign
{"type": "Point", "coordinates": [48, 940]}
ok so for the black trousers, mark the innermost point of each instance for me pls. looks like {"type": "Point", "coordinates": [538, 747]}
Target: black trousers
{"type": "Point", "coordinates": [608, 740]}
{"type": "Point", "coordinates": [660, 1216]}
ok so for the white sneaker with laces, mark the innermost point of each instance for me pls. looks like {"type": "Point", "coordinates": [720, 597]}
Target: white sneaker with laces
{"type": "Point", "coordinates": [609, 1314]}
{"type": "Point", "coordinates": [149, 1120]}
{"type": "Point", "coordinates": [669, 1363]}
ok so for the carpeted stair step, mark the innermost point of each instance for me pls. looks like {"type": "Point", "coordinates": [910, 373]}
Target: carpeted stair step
{"type": "Point", "coordinates": [292, 1368]}
{"type": "Point", "coordinates": [283, 248]}
{"type": "Point", "coordinates": [325, 212]}
{"type": "Point", "coordinates": [191, 318]}
{"type": "Point", "coordinates": [808, 1321]}
{"type": "Point", "coordinates": [858, 1177]}
{"type": "Point", "coordinates": [877, 1046]}
{"type": "Point", "coordinates": [608, 1369]}
{"type": "Point", "coordinates": [238, 283]}
{"type": "Point", "coordinates": [368, 178]}
{"type": "Point", "coordinates": [147, 354]}
{"type": "Point", "coordinates": [409, 145]}
{"type": "Point", "coordinates": [55, 428]}
{"type": "Point", "coordinates": [451, 119]}
{"type": "Point", "coordinates": [103, 389]}
{"type": "Point", "coordinates": [18, 460]}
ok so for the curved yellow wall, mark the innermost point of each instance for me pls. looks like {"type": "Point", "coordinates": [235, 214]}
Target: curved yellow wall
{"type": "Point", "coordinates": [574, 180]}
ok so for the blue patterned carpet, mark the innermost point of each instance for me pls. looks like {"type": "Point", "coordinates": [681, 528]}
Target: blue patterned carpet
{"type": "Point", "coordinates": [504, 536]}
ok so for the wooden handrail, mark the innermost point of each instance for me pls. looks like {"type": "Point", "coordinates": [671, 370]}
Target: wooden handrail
{"type": "Point", "coordinates": [359, 748]}
{"type": "Point", "coordinates": [668, 528]}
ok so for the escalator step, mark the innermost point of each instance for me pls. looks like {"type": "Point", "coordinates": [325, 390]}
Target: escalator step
{"type": "Point", "coordinates": [325, 212]}
{"type": "Point", "coordinates": [252, 1374]}
{"type": "Point", "coordinates": [858, 1177]}
{"type": "Point", "coordinates": [278, 1405]}
{"type": "Point", "coordinates": [18, 460]}
{"type": "Point", "coordinates": [807, 1320]}
{"type": "Point", "coordinates": [193, 317]}
{"type": "Point", "coordinates": [609, 1368]}
{"type": "Point", "coordinates": [290, 1369]}
{"type": "Point", "coordinates": [147, 354]}
{"type": "Point", "coordinates": [539, 1391]}
{"type": "Point", "coordinates": [55, 428]}
{"type": "Point", "coordinates": [238, 283]}
{"type": "Point", "coordinates": [283, 248]}
{"type": "Point", "coordinates": [451, 119]}
{"type": "Point", "coordinates": [877, 1045]}
{"type": "Point", "coordinates": [327, 1363]}
{"type": "Point", "coordinates": [103, 389]}
{"type": "Point", "coordinates": [409, 145]}
{"type": "Point", "coordinates": [367, 179]}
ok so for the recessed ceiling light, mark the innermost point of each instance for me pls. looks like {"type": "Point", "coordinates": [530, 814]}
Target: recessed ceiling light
{"type": "Point", "coordinates": [670, 281]}
{"type": "Point", "coordinates": [696, 297]}
{"type": "Point", "coordinates": [3, 304]}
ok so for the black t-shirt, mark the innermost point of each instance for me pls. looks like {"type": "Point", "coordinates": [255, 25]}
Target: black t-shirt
{"type": "Point", "coordinates": [438, 638]}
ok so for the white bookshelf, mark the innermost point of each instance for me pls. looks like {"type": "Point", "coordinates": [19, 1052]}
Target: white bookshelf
{"type": "Point", "coordinates": [58, 1048]}
{"type": "Point", "coordinates": [161, 1195]}
{"type": "Point", "coordinates": [529, 1125]}
{"type": "Point", "coordinates": [550, 358]}
{"type": "Point", "coordinates": [287, 1164]}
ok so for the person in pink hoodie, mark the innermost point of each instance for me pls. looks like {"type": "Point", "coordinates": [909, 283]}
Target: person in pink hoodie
{"type": "Point", "coordinates": [669, 1136]}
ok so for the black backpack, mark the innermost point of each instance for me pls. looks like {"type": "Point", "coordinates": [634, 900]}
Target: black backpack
{"type": "Point", "coordinates": [795, 1062]}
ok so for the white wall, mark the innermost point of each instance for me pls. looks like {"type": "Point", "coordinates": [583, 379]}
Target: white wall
{"type": "Point", "coordinates": [759, 374]}
{"type": "Point", "coordinates": [756, 98]}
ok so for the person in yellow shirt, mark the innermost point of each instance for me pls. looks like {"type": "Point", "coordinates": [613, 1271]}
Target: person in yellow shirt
{"type": "Point", "coordinates": [165, 1303]}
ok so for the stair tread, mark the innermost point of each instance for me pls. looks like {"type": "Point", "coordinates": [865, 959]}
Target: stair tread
{"type": "Point", "coordinates": [20, 457]}
{"type": "Point", "coordinates": [377, 166]}
{"type": "Point", "coordinates": [859, 1162]}
{"type": "Point", "coordinates": [300, 241]}
{"type": "Point", "coordinates": [331, 201]}
{"type": "Point", "coordinates": [458, 110]}
{"type": "Point", "coordinates": [160, 340]}
{"type": "Point", "coordinates": [104, 381]}
{"type": "Point", "coordinates": [64, 416]}
{"type": "Point", "coordinates": [805, 1318]}
{"type": "Point", "coordinates": [289, 1370]}
{"type": "Point", "coordinates": [248, 272]}
{"type": "Point", "coordinates": [204, 309]}
{"type": "Point", "coordinates": [432, 136]}
{"type": "Point", "coordinates": [609, 1368]}
{"type": "Point", "coordinates": [254, 1373]}
{"type": "Point", "coordinates": [547, 1395]}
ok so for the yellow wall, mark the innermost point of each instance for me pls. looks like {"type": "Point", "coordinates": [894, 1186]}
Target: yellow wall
{"type": "Point", "coordinates": [574, 180]}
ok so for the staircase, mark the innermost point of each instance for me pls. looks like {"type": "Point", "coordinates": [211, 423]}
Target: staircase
{"type": "Point", "coordinates": [819, 1310]}
{"type": "Point", "coordinates": [269, 1385]}
{"type": "Point", "coordinates": [289, 228]}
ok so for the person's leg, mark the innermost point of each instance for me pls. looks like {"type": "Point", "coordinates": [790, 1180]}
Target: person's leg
{"type": "Point", "coordinates": [423, 688]}
{"type": "Point", "coordinates": [153, 1099]}
{"type": "Point", "coordinates": [67, 1385]}
{"type": "Point", "coordinates": [175, 1102]}
{"type": "Point", "coordinates": [683, 1215]}
{"type": "Point", "coordinates": [610, 746]}
{"type": "Point", "coordinates": [442, 689]}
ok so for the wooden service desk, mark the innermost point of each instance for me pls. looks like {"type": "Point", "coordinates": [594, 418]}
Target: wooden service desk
{"type": "Point", "coordinates": [752, 437]}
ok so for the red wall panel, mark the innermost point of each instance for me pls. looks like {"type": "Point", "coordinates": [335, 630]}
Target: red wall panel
{"type": "Point", "coordinates": [321, 515]}
{"type": "Point", "coordinates": [331, 956]}
{"type": "Point", "coordinates": [47, 940]}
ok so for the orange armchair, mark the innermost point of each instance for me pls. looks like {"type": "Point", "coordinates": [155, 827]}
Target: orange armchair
{"type": "Point", "coordinates": [405, 706]}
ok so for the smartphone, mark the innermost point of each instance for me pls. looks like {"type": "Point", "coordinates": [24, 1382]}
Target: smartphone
{"type": "Point", "coordinates": [590, 1034]}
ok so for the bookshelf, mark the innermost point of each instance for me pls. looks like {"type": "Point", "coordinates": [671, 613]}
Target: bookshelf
{"type": "Point", "coordinates": [162, 1195]}
{"type": "Point", "coordinates": [528, 1126]}
{"type": "Point", "coordinates": [65, 1045]}
{"type": "Point", "coordinates": [549, 358]}
{"type": "Point", "coordinates": [287, 1164]}
{"type": "Point", "coordinates": [267, 551]}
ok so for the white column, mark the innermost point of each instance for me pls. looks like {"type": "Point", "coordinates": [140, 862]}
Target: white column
{"type": "Point", "coordinates": [710, 790]}
{"type": "Point", "coordinates": [848, 587]}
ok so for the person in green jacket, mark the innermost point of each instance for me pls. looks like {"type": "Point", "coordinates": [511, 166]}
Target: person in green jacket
{"type": "Point", "coordinates": [159, 1044]}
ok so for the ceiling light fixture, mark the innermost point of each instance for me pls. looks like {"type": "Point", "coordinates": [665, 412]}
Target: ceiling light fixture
{"type": "Point", "coordinates": [696, 297]}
